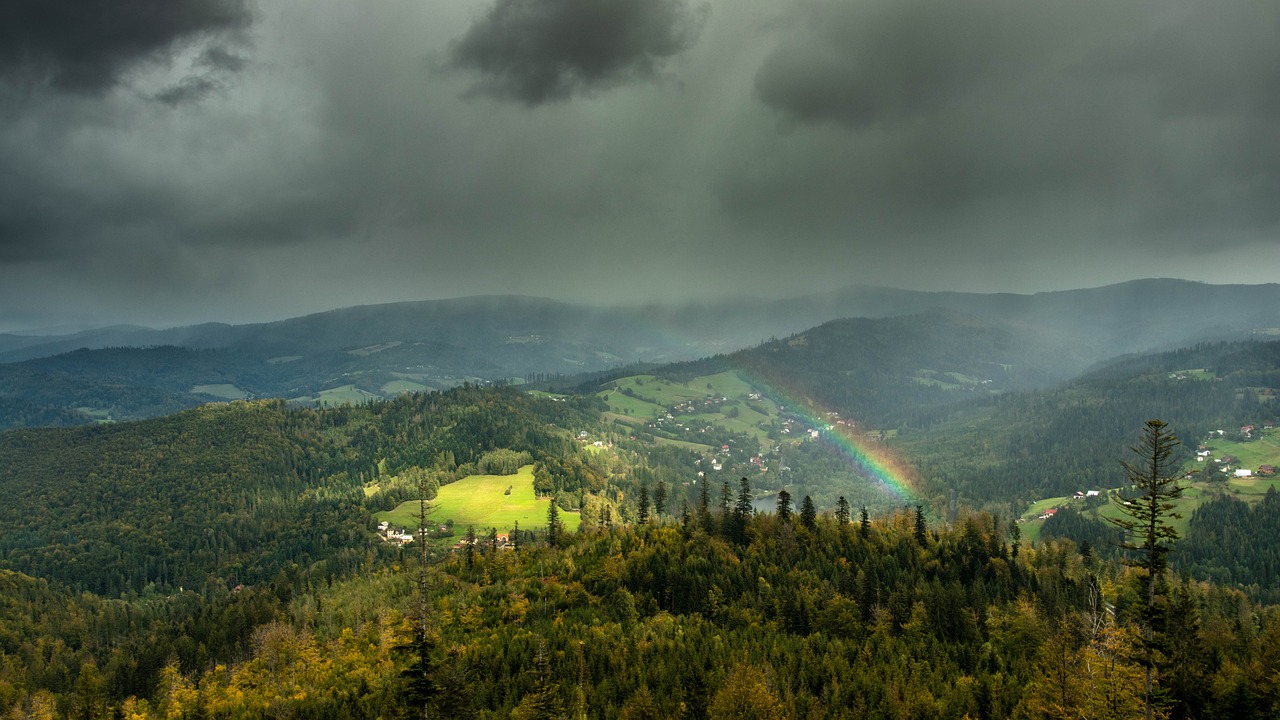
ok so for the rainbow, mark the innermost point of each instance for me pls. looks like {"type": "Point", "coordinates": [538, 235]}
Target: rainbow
{"type": "Point", "coordinates": [866, 454]}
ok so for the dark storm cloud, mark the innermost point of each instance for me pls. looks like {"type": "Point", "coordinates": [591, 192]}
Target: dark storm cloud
{"type": "Point", "coordinates": [1146, 122]}
{"type": "Point", "coordinates": [84, 46]}
{"type": "Point", "coordinates": [220, 58]}
{"type": "Point", "coordinates": [191, 89]}
{"type": "Point", "coordinates": [536, 51]}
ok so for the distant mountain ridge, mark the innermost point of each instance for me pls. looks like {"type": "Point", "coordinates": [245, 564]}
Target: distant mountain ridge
{"type": "Point", "coordinates": [382, 350]}
{"type": "Point", "coordinates": [1126, 317]}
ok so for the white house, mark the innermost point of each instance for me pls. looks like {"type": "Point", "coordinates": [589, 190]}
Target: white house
{"type": "Point", "coordinates": [1244, 472]}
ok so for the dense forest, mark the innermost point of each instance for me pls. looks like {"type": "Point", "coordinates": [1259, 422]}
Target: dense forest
{"type": "Point", "coordinates": [223, 562]}
{"type": "Point", "coordinates": [725, 616]}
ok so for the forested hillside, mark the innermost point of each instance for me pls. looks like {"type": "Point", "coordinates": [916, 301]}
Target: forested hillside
{"type": "Point", "coordinates": [234, 492]}
{"type": "Point", "coordinates": [727, 616]}
{"type": "Point", "coordinates": [224, 562]}
{"type": "Point", "coordinates": [1028, 445]}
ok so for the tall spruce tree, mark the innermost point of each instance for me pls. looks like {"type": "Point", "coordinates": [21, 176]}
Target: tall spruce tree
{"type": "Point", "coordinates": [704, 506]}
{"type": "Point", "coordinates": [660, 499]}
{"type": "Point", "coordinates": [842, 510]}
{"type": "Point", "coordinates": [420, 687]}
{"type": "Point", "coordinates": [1147, 513]}
{"type": "Point", "coordinates": [808, 513]}
{"type": "Point", "coordinates": [742, 512]}
{"type": "Point", "coordinates": [554, 527]}
{"type": "Point", "coordinates": [642, 513]}
{"type": "Point", "coordinates": [784, 505]}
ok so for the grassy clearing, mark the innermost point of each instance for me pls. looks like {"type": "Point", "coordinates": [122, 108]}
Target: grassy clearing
{"type": "Point", "coordinates": [97, 414]}
{"type": "Point", "coordinates": [1251, 489]}
{"type": "Point", "coordinates": [1263, 451]}
{"type": "Point", "coordinates": [633, 407]}
{"type": "Point", "coordinates": [342, 395]}
{"type": "Point", "coordinates": [481, 501]}
{"type": "Point", "coordinates": [345, 395]}
{"type": "Point", "coordinates": [226, 391]}
{"type": "Point", "coordinates": [651, 398]}
{"type": "Point", "coordinates": [945, 380]}
{"type": "Point", "coordinates": [696, 447]}
{"type": "Point", "coordinates": [400, 387]}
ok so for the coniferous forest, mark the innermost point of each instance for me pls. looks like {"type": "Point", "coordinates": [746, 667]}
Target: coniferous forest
{"type": "Point", "coordinates": [223, 562]}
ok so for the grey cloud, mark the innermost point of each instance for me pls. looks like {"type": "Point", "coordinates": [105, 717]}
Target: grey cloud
{"type": "Point", "coordinates": [857, 63]}
{"type": "Point", "coordinates": [85, 46]}
{"type": "Point", "coordinates": [536, 51]}
{"type": "Point", "coordinates": [191, 89]}
{"type": "Point", "coordinates": [220, 58]}
{"type": "Point", "coordinates": [1090, 121]}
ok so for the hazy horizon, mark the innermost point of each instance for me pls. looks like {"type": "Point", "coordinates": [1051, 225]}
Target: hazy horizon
{"type": "Point", "coordinates": [251, 160]}
{"type": "Point", "coordinates": [71, 328]}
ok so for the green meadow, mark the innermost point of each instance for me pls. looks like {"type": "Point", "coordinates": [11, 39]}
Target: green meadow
{"type": "Point", "coordinates": [341, 395]}
{"type": "Point", "coordinates": [1263, 451]}
{"type": "Point", "coordinates": [225, 391]}
{"type": "Point", "coordinates": [481, 501]}
{"type": "Point", "coordinates": [650, 397]}
{"type": "Point", "coordinates": [400, 387]}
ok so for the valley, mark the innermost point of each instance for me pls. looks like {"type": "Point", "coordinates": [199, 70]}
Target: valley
{"type": "Point", "coordinates": [932, 461]}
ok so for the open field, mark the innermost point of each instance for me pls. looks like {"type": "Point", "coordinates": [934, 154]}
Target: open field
{"type": "Point", "coordinates": [400, 387]}
{"type": "Point", "coordinates": [480, 501]}
{"type": "Point", "coordinates": [631, 406]}
{"type": "Point", "coordinates": [1194, 495]}
{"type": "Point", "coordinates": [99, 415]}
{"type": "Point", "coordinates": [651, 397]}
{"type": "Point", "coordinates": [1263, 451]}
{"type": "Point", "coordinates": [222, 390]}
{"type": "Point", "coordinates": [696, 447]}
{"type": "Point", "coordinates": [341, 395]}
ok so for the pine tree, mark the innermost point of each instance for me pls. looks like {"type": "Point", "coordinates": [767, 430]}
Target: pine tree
{"type": "Point", "coordinates": [1147, 512]}
{"type": "Point", "coordinates": [842, 510]}
{"type": "Point", "coordinates": [808, 513]}
{"type": "Point", "coordinates": [642, 513]}
{"type": "Point", "coordinates": [1015, 537]}
{"type": "Point", "coordinates": [704, 506]}
{"type": "Point", "coordinates": [784, 505]}
{"type": "Point", "coordinates": [420, 688]}
{"type": "Point", "coordinates": [864, 523]}
{"type": "Point", "coordinates": [660, 499]}
{"type": "Point", "coordinates": [921, 527]}
{"type": "Point", "coordinates": [742, 511]}
{"type": "Point", "coordinates": [554, 527]}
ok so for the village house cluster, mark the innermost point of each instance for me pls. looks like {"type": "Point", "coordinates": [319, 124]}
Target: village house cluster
{"type": "Point", "coordinates": [1230, 464]}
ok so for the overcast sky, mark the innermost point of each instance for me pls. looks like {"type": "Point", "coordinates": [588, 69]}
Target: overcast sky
{"type": "Point", "coordinates": [170, 161]}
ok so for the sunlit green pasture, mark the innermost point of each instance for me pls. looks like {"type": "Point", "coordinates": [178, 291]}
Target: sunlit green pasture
{"type": "Point", "coordinates": [481, 501]}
